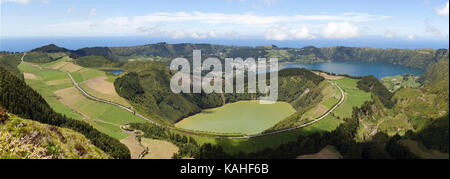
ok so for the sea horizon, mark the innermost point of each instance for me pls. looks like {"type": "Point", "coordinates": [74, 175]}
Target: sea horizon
{"type": "Point", "coordinates": [23, 44]}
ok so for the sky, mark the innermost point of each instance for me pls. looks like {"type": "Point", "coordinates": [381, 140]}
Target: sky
{"type": "Point", "coordinates": [276, 20]}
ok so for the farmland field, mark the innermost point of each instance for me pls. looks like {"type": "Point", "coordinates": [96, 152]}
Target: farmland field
{"type": "Point", "coordinates": [354, 97]}
{"type": "Point", "coordinates": [64, 98]}
{"type": "Point", "coordinates": [159, 149]}
{"type": "Point", "coordinates": [245, 117]}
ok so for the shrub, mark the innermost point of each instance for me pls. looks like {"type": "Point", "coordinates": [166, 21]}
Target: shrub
{"type": "Point", "coordinates": [3, 115]}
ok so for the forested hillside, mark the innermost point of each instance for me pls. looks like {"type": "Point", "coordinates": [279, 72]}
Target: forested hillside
{"type": "Point", "coordinates": [417, 58]}
{"type": "Point", "coordinates": [421, 114]}
{"type": "Point", "coordinates": [18, 98]}
{"type": "Point", "coordinates": [9, 62]}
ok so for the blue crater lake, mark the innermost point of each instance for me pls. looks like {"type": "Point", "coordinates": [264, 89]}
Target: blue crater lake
{"type": "Point", "coordinates": [353, 68]}
{"type": "Point", "coordinates": [115, 72]}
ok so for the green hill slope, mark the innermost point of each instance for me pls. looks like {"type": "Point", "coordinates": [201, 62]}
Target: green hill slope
{"type": "Point", "coordinates": [20, 99]}
{"type": "Point", "coordinates": [26, 139]}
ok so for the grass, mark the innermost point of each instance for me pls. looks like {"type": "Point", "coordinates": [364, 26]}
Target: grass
{"type": "Point", "coordinates": [103, 89]}
{"type": "Point", "coordinates": [159, 149]}
{"type": "Point", "coordinates": [51, 141]}
{"type": "Point", "coordinates": [329, 152]}
{"type": "Point", "coordinates": [87, 74]}
{"type": "Point", "coordinates": [47, 91]}
{"type": "Point", "coordinates": [354, 97]}
{"type": "Point", "coordinates": [96, 110]}
{"type": "Point", "coordinates": [71, 103]}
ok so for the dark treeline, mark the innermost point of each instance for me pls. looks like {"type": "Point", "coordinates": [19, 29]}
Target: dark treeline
{"type": "Point", "coordinates": [10, 61]}
{"type": "Point", "coordinates": [372, 85]}
{"type": "Point", "coordinates": [97, 61]}
{"type": "Point", "coordinates": [18, 98]}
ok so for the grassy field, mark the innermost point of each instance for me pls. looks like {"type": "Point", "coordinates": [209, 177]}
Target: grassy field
{"type": "Point", "coordinates": [103, 89]}
{"type": "Point", "coordinates": [159, 149]}
{"type": "Point", "coordinates": [135, 147]}
{"type": "Point", "coordinates": [354, 97]}
{"type": "Point", "coordinates": [329, 152]}
{"type": "Point", "coordinates": [58, 91]}
{"type": "Point", "coordinates": [244, 117]}
{"type": "Point", "coordinates": [40, 85]}
{"type": "Point", "coordinates": [87, 74]}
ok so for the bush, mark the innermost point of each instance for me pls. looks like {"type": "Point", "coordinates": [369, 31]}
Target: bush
{"type": "Point", "coordinates": [3, 115]}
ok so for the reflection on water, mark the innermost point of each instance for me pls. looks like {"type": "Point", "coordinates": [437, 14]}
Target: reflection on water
{"type": "Point", "coordinates": [379, 70]}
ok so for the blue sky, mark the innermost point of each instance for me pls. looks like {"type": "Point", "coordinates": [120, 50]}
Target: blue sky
{"type": "Point", "coordinates": [277, 20]}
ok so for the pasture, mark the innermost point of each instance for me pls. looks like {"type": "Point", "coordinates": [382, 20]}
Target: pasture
{"type": "Point", "coordinates": [159, 149]}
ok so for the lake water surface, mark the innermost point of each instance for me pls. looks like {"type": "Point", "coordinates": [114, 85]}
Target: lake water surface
{"type": "Point", "coordinates": [245, 117]}
{"type": "Point", "coordinates": [115, 72]}
{"type": "Point", "coordinates": [352, 68]}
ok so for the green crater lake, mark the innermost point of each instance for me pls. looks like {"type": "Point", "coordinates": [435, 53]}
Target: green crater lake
{"type": "Point", "coordinates": [245, 117]}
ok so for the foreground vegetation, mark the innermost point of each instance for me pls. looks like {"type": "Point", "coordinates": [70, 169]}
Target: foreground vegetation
{"type": "Point", "coordinates": [18, 98]}
{"type": "Point", "coordinates": [26, 139]}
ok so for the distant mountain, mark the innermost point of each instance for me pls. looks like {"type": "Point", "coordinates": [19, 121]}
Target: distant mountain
{"type": "Point", "coordinates": [52, 48]}
{"type": "Point", "coordinates": [417, 58]}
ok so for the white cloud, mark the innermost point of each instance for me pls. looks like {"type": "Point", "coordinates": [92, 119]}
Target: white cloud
{"type": "Point", "coordinates": [92, 12]}
{"type": "Point", "coordinates": [178, 34]}
{"type": "Point", "coordinates": [243, 19]}
{"type": "Point", "coordinates": [281, 33]}
{"type": "Point", "coordinates": [443, 11]}
{"type": "Point", "coordinates": [17, 1]}
{"type": "Point", "coordinates": [301, 33]}
{"type": "Point", "coordinates": [344, 30]}
{"type": "Point", "coordinates": [212, 34]}
{"type": "Point", "coordinates": [197, 35]}
{"type": "Point", "coordinates": [389, 34]}
{"type": "Point", "coordinates": [23, 1]}
{"type": "Point", "coordinates": [411, 37]}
